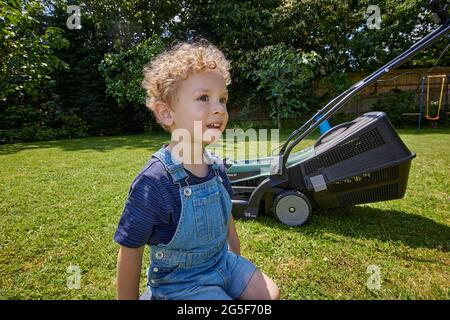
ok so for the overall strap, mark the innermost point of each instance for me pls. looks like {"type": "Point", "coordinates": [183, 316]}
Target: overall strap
{"type": "Point", "coordinates": [175, 169]}
{"type": "Point", "coordinates": [214, 160]}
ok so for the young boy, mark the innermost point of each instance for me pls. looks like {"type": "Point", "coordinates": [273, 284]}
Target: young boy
{"type": "Point", "coordinates": [180, 203]}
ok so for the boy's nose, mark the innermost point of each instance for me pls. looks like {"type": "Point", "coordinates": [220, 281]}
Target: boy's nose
{"type": "Point", "coordinates": [219, 108]}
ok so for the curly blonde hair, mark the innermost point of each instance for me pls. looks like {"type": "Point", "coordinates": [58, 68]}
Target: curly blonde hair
{"type": "Point", "coordinates": [163, 73]}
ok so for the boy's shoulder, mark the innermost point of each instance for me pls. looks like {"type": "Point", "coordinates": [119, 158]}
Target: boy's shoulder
{"type": "Point", "coordinates": [152, 173]}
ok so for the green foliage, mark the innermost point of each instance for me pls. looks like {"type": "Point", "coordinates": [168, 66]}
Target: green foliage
{"type": "Point", "coordinates": [123, 75]}
{"type": "Point", "coordinates": [128, 22]}
{"type": "Point", "coordinates": [80, 90]}
{"type": "Point", "coordinates": [402, 23]}
{"type": "Point", "coordinates": [338, 31]}
{"type": "Point", "coordinates": [50, 122]}
{"type": "Point", "coordinates": [74, 126]}
{"type": "Point", "coordinates": [395, 104]}
{"type": "Point", "coordinates": [321, 26]}
{"type": "Point", "coordinates": [27, 51]}
{"type": "Point", "coordinates": [28, 61]}
{"type": "Point", "coordinates": [123, 72]}
{"type": "Point", "coordinates": [284, 76]}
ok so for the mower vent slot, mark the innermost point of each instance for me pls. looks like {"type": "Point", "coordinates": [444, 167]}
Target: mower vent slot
{"type": "Point", "coordinates": [354, 147]}
{"type": "Point", "coordinates": [386, 192]}
{"type": "Point", "coordinates": [365, 179]}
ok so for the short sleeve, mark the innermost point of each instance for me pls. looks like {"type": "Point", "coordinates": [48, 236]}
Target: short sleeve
{"type": "Point", "coordinates": [141, 213]}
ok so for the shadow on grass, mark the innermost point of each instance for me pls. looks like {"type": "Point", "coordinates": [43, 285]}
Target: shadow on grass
{"type": "Point", "coordinates": [373, 223]}
{"type": "Point", "coordinates": [100, 144]}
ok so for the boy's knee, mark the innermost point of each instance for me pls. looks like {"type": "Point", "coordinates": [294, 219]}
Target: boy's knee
{"type": "Point", "coordinates": [275, 294]}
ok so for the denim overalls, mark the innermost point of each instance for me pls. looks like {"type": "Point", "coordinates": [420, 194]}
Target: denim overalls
{"type": "Point", "coordinates": [196, 263]}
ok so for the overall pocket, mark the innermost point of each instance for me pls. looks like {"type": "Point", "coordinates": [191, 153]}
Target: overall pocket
{"type": "Point", "coordinates": [210, 216]}
{"type": "Point", "coordinates": [158, 274]}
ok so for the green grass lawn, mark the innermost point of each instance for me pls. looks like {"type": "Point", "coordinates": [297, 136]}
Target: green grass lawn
{"type": "Point", "coordinates": [60, 203]}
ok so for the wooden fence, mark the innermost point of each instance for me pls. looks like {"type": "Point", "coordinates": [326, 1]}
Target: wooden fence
{"type": "Point", "coordinates": [406, 80]}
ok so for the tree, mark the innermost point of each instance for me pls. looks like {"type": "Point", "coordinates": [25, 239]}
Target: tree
{"type": "Point", "coordinates": [27, 62]}
{"type": "Point", "coordinates": [122, 72]}
{"type": "Point", "coordinates": [285, 77]}
{"type": "Point", "coordinates": [26, 49]}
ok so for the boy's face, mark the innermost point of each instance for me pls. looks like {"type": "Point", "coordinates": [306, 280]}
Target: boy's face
{"type": "Point", "coordinates": [201, 99]}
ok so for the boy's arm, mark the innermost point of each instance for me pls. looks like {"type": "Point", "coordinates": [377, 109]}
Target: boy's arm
{"type": "Point", "coordinates": [233, 239]}
{"type": "Point", "coordinates": [129, 263]}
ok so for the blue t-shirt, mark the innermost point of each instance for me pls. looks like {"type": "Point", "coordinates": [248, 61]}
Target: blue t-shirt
{"type": "Point", "coordinates": [153, 207]}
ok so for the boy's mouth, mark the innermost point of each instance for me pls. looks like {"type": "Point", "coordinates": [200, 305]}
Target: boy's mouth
{"type": "Point", "coordinates": [214, 125]}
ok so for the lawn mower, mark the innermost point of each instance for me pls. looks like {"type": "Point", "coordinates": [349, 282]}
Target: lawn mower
{"type": "Point", "coordinates": [356, 162]}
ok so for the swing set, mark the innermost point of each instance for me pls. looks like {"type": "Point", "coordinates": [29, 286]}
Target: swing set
{"type": "Point", "coordinates": [431, 115]}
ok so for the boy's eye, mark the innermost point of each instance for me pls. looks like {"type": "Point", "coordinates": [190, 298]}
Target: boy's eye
{"type": "Point", "coordinates": [204, 98]}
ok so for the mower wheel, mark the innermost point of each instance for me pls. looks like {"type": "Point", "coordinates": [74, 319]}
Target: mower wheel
{"type": "Point", "coordinates": [292, 208]}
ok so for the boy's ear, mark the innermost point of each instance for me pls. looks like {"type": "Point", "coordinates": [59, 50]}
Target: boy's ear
{"type": "Point", "coordinates": [163, 113]}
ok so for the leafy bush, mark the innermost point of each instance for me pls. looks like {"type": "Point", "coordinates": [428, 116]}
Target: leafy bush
{"type": "Point", "coordinates": [30, 132]}
{"type": "Point", "coordinates": [28, 50]}
{"type": "Point", "coordinates": [74, 126]}
{"type": "Point", "coordinates": [122, 72]}
{"type": "Point", "coordinates": [395, 104]}
{"type": "Point", "coordinates": [284, 76]}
